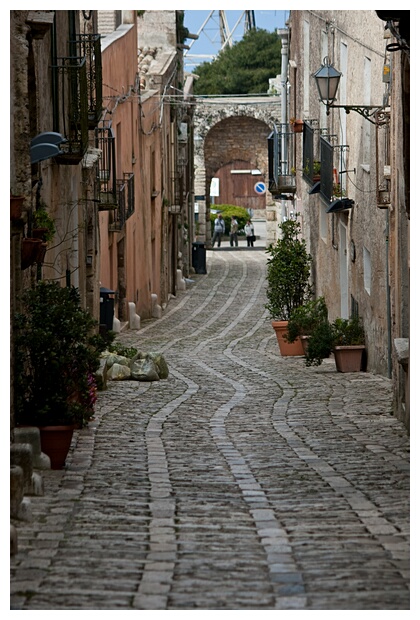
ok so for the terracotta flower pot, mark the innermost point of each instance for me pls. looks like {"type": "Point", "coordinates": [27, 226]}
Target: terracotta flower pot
{"type": "Point", "coordinates": [41, 252]}
{"type": "Point", "coordinates": [286, 348]}
{"type": "Point", "coordinates": [348, 358]}
{"type": "Point", "coordinates": [39, 233]}
{"type": "Point", "coordinates": [16, 203]}
{"type": "Point", "coordinates": [29, 252]}
{"type": "Point", "coordinates": [297, 126]}
{"type": "Point", "coordinates": [55, 442]}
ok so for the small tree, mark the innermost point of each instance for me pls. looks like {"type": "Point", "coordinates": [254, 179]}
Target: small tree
{"type": "Point", "coordinates": [288, 272]}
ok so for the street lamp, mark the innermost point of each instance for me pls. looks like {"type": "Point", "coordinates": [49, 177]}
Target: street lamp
{"type": "Point", "coordinates": [327, 79]}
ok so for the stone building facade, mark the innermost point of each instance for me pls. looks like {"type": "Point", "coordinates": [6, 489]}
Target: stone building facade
{"type": "Point", "coordinates": [144, 254]}
{"type": "Point", "coordinates": [226, 130]}
{"type": "Point", "coordinates": [359, 244]}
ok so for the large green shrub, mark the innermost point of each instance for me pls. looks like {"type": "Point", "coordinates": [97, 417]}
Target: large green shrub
{"type": "Point", "coordinates": [228, 211]}
{"type": "Point", "coordinates": [56, 354]}
{"type": "Point", "coordinates": [288, 272]}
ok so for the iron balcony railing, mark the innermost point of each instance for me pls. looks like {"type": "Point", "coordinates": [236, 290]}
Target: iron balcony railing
{"type": "Point", "coordinates": [129, 180]}
{"type": "Point", "coordinates": [106, 184]}
{"type": "Point", "coordinates": [327, 164]}
{"type": "Point", "coordinates": [118, 215]}
{"type": "Point", "coordinates": [308, 153]}
{"type": "Point", "coordinates": [125, 200]}
{"type": "Point", "coordinates": [281, 149]}
{"type": "Point", "coordinates": [89, 47]}
{"type": "Point", "coordinates": [72, 88]}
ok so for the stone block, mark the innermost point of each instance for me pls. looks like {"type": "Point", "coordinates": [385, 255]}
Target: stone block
{"type": "Point", "coordinates": [31, 436]}
{"type": "Point", "coordinates": [16, 490]}
{"type": "Point", "coordinates": [22, 456]}
{"type": "Point", "coordinates": [134, 319]}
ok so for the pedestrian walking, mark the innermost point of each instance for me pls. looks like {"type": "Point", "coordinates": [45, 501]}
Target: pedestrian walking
{"type": "Point", "coordinates": [249, 232]}
{"type": "Point", "coordinates": [219, 230]}
{"type": "Point", "coordinates": [234, 232]}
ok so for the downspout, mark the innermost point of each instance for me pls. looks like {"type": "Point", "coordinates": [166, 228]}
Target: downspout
{"type": "Point", "coordinates": [388, 297]}
{"type": "Point", "coordinates": [54, 79]}
{"type": "Point", "coordinates": [284, 37]}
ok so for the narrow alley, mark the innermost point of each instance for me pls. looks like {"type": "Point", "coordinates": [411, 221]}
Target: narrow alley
{"type": "Point", "coordinates": [244, 481]}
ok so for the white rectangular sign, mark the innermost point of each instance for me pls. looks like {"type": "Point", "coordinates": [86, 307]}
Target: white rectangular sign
{"type": "Point", "coordinates": [214, 187]}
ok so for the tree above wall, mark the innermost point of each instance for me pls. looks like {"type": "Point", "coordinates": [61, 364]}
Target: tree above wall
{"type": "Point", "coordinates": [243, 69]}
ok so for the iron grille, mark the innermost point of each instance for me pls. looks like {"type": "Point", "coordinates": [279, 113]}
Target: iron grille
{"type": "Point", "coordinates": [125, 199]}
{"type": "Point", "coordinates": [273, 159]}
{"type": "Point", "coordinates": [71, 74]}
{"type": "Point", "coordinates": [129, 181]}
{"type": "Point", "coordinates": [106, 181]}
{"type": "Point", "coordinates": [308, 153]}
{"type": "Point", "coordinates": [89, 47]}
{"type": "Point", "coordinates": [326, 189]}
{"type": "Point", "coordinates": [118, 215]}
{"type": "Point", "coordinates": [280, 156]}
{"type": "Point", "coordinates": [354, 309]}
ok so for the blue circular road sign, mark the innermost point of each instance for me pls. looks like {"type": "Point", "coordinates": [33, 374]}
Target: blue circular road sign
{"type": "Point", "coordinates": [260, 188]}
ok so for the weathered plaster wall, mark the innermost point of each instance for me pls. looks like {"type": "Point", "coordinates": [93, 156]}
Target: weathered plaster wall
{"type": "Point", "coordinates": [360, 36]}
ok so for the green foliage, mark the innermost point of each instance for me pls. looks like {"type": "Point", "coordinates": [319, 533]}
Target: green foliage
{"type": "Point", "coordinates": [317, 167]}
{"type": "Point", "coordinates": [56, 354]}
{"type": "Point", "coordinates": [326, 336]}
{"type": "Point", "coordinates": [120, 349]}
{"type": "Point", "coordinates": [306, 318]}
{"type": "Point", "coordinates": [348, 331]}
{"type": "Point", "coordinates": [245, 68]}
{"type": "Point", "coordinates": [41, 219]}
{"type": "Point", "coordinates": [320, 344]}
{"type": "Point", "coordinates": [288, 272]}
{"type": "Point", "coordinates": [228, 211]}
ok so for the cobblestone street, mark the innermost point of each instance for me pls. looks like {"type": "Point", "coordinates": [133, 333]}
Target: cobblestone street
{"type": "Point", "coordinates": [244, 481]}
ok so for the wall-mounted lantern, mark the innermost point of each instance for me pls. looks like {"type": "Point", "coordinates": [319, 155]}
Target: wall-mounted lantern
{"type": "Point", "coordinates": [327, 80]}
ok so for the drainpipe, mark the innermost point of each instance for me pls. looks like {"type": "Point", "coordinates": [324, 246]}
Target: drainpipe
{"type": "Point", "coordinates": [284, 38]}
{"type": "Point", "coordinates": [388, 297]}
{"type": "Point", "coordinates": [54, 76]}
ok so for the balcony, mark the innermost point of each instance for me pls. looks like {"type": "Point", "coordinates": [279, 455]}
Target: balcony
{"type": "Point", "coordinates": [72, 97]}
{"type": "Point", "coordinates": [89, 46]}
{"type": "Point", "coordinates": [125, 199]}
{"type": "Point", "coordinates": [281, 154]}
{"type": "Point", "coordinates": [106, 186]}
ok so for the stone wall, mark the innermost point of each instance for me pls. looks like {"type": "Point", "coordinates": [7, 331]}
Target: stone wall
{"type": "Point", "coordinates": [226, 129]}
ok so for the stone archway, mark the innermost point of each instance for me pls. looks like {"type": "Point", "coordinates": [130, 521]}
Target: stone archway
{"type": "Point", "coordinates": [229, 130]}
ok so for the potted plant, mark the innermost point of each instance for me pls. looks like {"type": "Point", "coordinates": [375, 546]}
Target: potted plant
{"type": "Point", "coordinates": [305, 319]}
{"type": "Point", "coordinates": [297, 125]}
{"type": "Point", "coordinates": [348, 344]}
{"type": "Point", "coordinates": [43, 226]}
{"type": "Point", "coordinates": [316, 171]}
{"type": "Point", "coordinates": [56, 353]}
{"type": "Point", "coordinates": [16, 204]}
{"type": "Point", "coordinates": [288, 287]}
{"type": "Point", "coordinates": [345, 338]}
{"type": "Point", "coordinates": [30, 251]}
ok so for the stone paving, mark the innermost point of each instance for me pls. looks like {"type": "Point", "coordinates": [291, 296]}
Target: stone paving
{"type": "Point", "coordinates": [245, 481]}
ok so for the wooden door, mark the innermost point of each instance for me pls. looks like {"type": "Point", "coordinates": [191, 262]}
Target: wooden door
{"type": "Point", "coordinates": [238, 188]}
